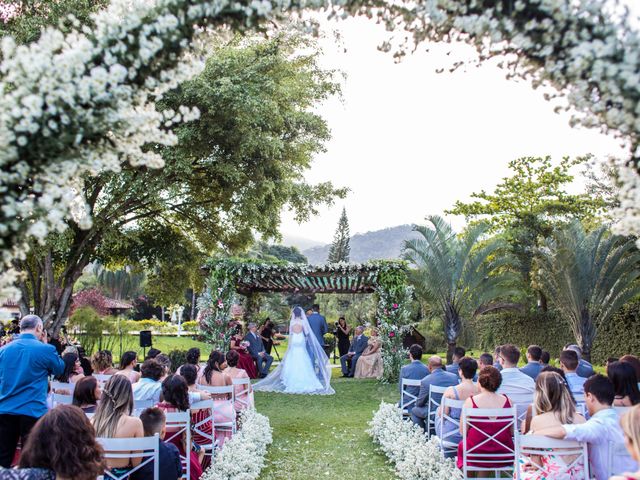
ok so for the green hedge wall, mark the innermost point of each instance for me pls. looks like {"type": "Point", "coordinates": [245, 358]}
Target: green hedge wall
{"type": "Point", "coordinates": [620, 336]}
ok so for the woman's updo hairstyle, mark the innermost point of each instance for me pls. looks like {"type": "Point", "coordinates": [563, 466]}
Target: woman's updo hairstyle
{"type": "Point", "coordinates": [490, 378]}
{"type": "Point", "coordinates": [232, 358]}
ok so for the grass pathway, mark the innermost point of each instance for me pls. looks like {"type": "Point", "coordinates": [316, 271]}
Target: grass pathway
{"type": "Point", "coordinates": [324, 436]}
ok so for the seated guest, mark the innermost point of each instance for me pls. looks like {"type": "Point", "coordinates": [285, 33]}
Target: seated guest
{"type": "Point", "coordinates": [370, 362]}
{"type": "Point", "coordinates": [256, 350]}
{"type": "Point", "coordinates": [349, 361]}
{"type": "Point", "coordinates": [545, 358]}
{"type": "Point", "coordinates": [514, 382]}
{"type": "Point", "coordinates": [554, 406]}
{"type": "Point", "coordinates": [85, 363]}
{"type": "Point", "coordinates": [526, 425]}
{"type": "Point", "coordinates": [634, 362]}
{"type": "Point", "coordinates": [496, 356]}
{"type": "Point", "coordinates": [50, 454]}
{"type": "Point", "coordinates": [533, 366]}
{"type": "Point", "coordinates": [193, 358]}
{"type": "Point", "coordinates": [233, 371]}
{"type": "Point", "coordinates": [165, 361]}
{"type": "Point", "coordinates": [245, 360]}
{"type": "Point", "coordinates": [416, 370]}
{"type": "Point", "coordinates": [458, 354]}
{"type": "Point", "coordinates": [601, 430]}
{"type": "Point", "coordinates": [569, 365]}
{"type": "Point", "coordinates": [468, 368]}
{"type": "Point", "coordinates": [437, 377]}
{"type": "Point", "coordinates": [113, 419]}
{"type": "Point", "coordinates": [170, 466]}
{"type": "Point", "coordinates": [176, 399]}
{"type": "Point", "coordinates": [223, 411]}
{"type": "Point", "coordinates": [489, 381]}
{"type": "Point", "coordinates": [72, 370]}
{"type": "Point", "coordinates": [152, 353]}
{"type": "Point", "coordinates": [610, 360]}
{"type": "Point", "coordinates": [190, 375]}
{"type": "Point", "coordinates": [128, 362]}
{"type": "Point", "coordinates": [630, 423]}
{"type": "Point", "coordinates": [585, 369]}
{"type": "Point", "coordinates": [102, 363]}
{"type": "Point", "coordinates": [149, 387]}
{"type": "Point", "coordinates": [86, 394]}
{"type": "Point", "coordinates": [623, 377]}
{"type": "Point", "coordinates": [485, 360]}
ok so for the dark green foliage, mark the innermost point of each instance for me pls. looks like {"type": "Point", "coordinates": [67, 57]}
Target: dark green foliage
{"type": "Point", "coordinates": [340, 249]}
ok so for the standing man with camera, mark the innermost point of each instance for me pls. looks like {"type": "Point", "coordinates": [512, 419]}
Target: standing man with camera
{"type": "Point", "coordinates": [25, 365]}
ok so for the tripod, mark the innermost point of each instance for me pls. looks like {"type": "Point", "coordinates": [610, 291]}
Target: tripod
{"type": "Point", "coordinates": [275, 350]}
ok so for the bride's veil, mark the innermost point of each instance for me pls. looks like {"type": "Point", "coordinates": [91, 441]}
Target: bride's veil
{"type": "Point", "coordinates": [319, 359]}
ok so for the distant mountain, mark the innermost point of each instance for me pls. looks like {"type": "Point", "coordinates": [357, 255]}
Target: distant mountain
{"type": "Point", "coordinates": [380, 244]}
{"type": "Point", "coordinates": [301, 243]}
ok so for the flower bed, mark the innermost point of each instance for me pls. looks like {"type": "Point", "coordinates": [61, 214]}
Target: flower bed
{"type": "Point", "coordinates": [242, 457]}
{"type": "Point", "coordinates": [406, 446]}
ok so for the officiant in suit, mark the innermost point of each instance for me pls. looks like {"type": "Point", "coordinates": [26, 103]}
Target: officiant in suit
{"type": "Point", "coordinates": [257, 351]}
{"type": "Point", "coordinates": [358, 345]}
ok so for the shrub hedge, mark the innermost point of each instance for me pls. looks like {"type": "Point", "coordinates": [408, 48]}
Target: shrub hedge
{"type": "Point", "coordinates": [620, 336]}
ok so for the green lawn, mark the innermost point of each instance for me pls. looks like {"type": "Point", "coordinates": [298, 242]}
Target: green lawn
{"type": "Point", "coordinates": [324, 436]}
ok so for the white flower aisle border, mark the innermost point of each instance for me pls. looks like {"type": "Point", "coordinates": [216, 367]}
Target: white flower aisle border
{"type": "Point", "coordinates": [242, 456]}
{"type": "Point", "coordinates": [405, 445]}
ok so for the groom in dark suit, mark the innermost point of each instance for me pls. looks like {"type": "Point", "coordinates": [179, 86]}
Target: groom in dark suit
{"type": "Point", "coordinates": [318, 324]}
{"type": "Point", "coordinates": [257, 351]}
{"type": "Point", "coordinates": [358, 345]}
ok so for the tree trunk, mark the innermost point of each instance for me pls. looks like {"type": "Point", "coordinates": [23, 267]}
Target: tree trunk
{"type": "Point", "coordinates": [452, 328]}
{"type": "Point", "coordinates": [193, 304]}
{"type": "Point", "coordinates": [542, 302]}
{"type": "Point", "coordinates": [450, 348]}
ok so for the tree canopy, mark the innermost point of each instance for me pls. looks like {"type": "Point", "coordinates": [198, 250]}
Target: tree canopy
{"type": "Point", "coordinates": [230, 175]}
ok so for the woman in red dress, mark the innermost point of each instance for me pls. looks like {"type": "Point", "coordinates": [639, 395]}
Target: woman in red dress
{"type": "Point", "coordinates": [245, 361]}
{"type": "Point", "coordinates": [489, 381]}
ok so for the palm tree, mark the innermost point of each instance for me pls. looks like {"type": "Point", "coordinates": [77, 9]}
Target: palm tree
{"type": "Point", "coordinates": [120, 284]}
{"type": "Point", "coordinates": [588, 277]}
{"type": "Point", "coordinates": [458, 274]}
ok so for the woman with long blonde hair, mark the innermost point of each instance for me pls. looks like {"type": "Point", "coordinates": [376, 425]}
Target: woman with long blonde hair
{"type": "Point", "coordinates": [113, 419]}
{"type": "Point", "coordinates": [553, 405]}
{"type": "Point", "coordinates": [630, 423]}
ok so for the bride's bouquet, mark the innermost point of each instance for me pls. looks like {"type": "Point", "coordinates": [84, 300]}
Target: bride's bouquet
{"type": "Point", "coordinates": [244, 345]}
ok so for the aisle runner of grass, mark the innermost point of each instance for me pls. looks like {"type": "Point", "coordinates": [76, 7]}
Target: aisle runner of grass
{"type": "Point", "coordinates": [324, 436]}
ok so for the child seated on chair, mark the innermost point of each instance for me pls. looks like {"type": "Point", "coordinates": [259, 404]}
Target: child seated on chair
{"type": "Point", "coordinates": [170, 466]}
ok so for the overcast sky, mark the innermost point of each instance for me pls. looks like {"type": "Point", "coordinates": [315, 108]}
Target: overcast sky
{"type": "Point", "coordinates": [409, 142]}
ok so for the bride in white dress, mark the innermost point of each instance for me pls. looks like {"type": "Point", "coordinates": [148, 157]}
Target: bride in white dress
{"type": "Point", "coordinates": [305, 366]}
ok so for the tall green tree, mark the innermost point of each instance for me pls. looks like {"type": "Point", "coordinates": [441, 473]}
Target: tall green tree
{"type": "Point", "coordinates": [588, 277]}
{"type": "Point", "coordinates": [526, 206]}
{"type": "Point", "coordinates": [230, 175]}
{"type": "Point", "coordinates": [340, 248]}
{"type": "Point", "coordinates": [457, 274]}
{"type": "Point", "coordinates": [119, 284]}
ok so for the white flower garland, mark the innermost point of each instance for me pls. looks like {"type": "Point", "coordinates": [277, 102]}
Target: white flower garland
{"type": "Point", "coordinates": [242, 456]}
{"type": "Point", "coordinates": [405, 444]}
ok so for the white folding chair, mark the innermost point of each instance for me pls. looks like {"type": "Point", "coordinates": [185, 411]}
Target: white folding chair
{"type": "Point", "coordinates": [618, 458]}
{"type": "Point", "coordinates": [244, 394]}
{"type": "Point", "coordinates": [145, 448]}
{"type": "Point", "coordinates": [59, 399]}
{"type": "Point", "coordinates": [432, 407]}
{"type": "Point", "coordinates": [476, 419]}
{"type": "Point", "coordinates": [411, 401]}
{"type": "Point", "coordinates": [89, 415]}
{"type": "Point", "coordinates": [198, 428]}
{"type": "Point", "coordinates": [179, 424]}
{"type": "Point", "coordinates": [140, 405]}
{"type": "Point", "coordinates": [445, 438]}
{"type": "Point", "coordinates": [521, 401]}
{"type": "Point", "coordinates": [102, 378]}
{"type": "Point", "coordinates": [541, 446]}
{"type": "Point", "coordinates": [63, 387]}
{"type": "Point", "coordinates": [228, 390]}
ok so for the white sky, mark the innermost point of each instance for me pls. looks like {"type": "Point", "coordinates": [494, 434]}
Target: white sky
{"type": "Point", "coordinates": [409, 142]}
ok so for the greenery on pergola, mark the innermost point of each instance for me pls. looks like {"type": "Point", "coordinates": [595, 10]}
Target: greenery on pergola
{"type": "Point", "coordinates": [386, 279]}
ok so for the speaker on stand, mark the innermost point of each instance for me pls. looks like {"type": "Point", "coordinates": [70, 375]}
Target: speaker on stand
{"type": "Point", "coordinates": [145, 341]}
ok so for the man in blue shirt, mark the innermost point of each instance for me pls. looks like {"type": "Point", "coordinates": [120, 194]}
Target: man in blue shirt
{"type": "Point", "coordinates": [437, 377]}
{"type": "Point", "coordinates": [25, 365]}
{"type": "Point", "coordinates": [533, 367]}
{"type": "Point", "coordinates": [416, 370]}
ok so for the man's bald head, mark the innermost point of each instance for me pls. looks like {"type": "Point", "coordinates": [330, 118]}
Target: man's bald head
{"type": "Point", "coordinates": [435, 362]}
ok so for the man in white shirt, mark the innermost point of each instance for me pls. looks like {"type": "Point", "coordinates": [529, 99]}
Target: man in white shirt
{"type": "Point", "coordinates": [569, 365]}
{"type": "Point", "coordinates": [149, 386]}
{"type": "Point", "coordinates": [600, 431]}
{"type": "Point", "coordinates": [514, 382]}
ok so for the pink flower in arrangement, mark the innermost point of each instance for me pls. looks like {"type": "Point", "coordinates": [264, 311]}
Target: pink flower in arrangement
{"type": "Point", "coordinates": [395, 305]}
{"type": "Point", "coordinates": [220, 304]}
{"type": "Point", "coordinates": [221, 335]}
{"type": "Point", "coordinates": [392, 334]}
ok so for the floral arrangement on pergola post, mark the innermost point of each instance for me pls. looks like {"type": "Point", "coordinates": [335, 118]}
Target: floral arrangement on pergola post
{"type": "Point", "coordinates": [386, 279]}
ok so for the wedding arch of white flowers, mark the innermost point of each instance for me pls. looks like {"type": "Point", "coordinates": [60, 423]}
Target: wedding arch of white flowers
{"type": "Point", "coordinates": [79, 103]}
